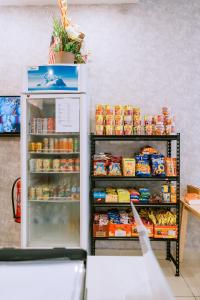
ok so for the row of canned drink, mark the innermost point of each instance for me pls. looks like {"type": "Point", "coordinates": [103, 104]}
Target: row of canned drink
{"type": "Point", "coordinates": [47, 192]}
{"type": "Point", "coordinates": [55, 145]}
{"type": "Point", "coordinates": [54, 165]}
{"type": "Point", "coordinates": [42, 125]}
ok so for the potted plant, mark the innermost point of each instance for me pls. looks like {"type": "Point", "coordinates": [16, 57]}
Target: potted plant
{"type": "Point", "coordinates": [68, 44]}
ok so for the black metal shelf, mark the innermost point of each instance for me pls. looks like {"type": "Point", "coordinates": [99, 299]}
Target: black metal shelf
{"type": "Point", "coordinates": [11, 134]}
{"type": "Point", "coordinates": [129, 239]}
{"type": "Point", "coordinates": [127, 205]}
{"type": "Point", "coordinates": [134, 137]}
{"type": "Point", "coordinates": [126, 178]}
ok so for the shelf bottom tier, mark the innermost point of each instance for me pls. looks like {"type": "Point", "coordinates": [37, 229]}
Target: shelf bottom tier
{"type": "Point", "coordinates": [130, 239]}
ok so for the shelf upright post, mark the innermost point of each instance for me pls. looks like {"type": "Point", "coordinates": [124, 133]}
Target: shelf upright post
{"type": "Point", "coordinates": [178, 204]}
{"type": "Point", "coordinates": [92, 185]}
{"type": "Point", "coordinates": [168, 243]}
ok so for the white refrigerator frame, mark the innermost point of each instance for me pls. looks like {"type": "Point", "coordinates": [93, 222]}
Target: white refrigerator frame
{"type": "Point", "coordinates": [84, 165]}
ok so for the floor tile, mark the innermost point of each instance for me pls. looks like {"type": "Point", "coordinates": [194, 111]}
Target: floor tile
{"type": "Point", "coordinates": [179, 286]}
{"type": "Point", "coordinates": [190, 270]}
{"type": "Point", "coordinates": [185, 298]}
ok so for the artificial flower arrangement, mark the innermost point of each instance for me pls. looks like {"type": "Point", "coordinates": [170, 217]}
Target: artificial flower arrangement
{"type": "Point", "coordinates": [68, 40]}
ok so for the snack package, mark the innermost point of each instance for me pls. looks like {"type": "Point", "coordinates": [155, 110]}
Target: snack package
{"type": "Point", "coordinates": [119, 130]}
{"type": "Point", "coordinates": [100, 164]}
{"type": "Point", "coordinates": [159, 120]}
{"type": "Point", "coordinates": [170, 166]}
{"type": "Point", "coordinates": [119, 110]}
{"type": "Point", "coordinates": [99, 195]}
{"type": "Point", "coordinates": [128, 166]}
{"type": "Point", "coordinates": [159, 129]}
{"type": "Point", "coordinates": [99, 109]}
{"type": "Point", "coordinates": [148, 120]}
{"type": "Point", "coordinates": [149, 129]}
{"type": "Point", "coordinates": [119, 120]}
{"type": "Point", "coordinates": [173, 188]}
{"type": "Point", "coordinates": [109, 120]}
{"type": "Point", "coordinates": [128, 120]}
{"type": "Point", "coordinates": [128, 129]}
{"type": "Point", "coordinates": [99, 129]}
{"type": "Point", "coordinates": [158, 165]}
{"type": "Point", "coordinates": [148, 150]}
{"type": "Point", "coordinates": [166, 111]}
{"type": "Point", "coordinates": [99, 120]}
{"type": "Point", "coordinates": [142, 165]}
{"type": "Point", "coordinates": [137, 130]}
{"type": "Point", "coordinates": [114, 169]}
{"type": "Point", "coordinates": [136, 111]}
{"type": "Point", "coordinates": [166, 197]}
{"type": "Point", "coordinates": [128, 110]}
{"type": "Point", "coordinates": [111, 197]}
{"type": "Point", "coordinates": [123, 195]}
{"type": "Point", "coordinates": [109, 130]}
{"type": "Point", "coordinates": [168, 129]}
{"type": "Point", "coordinates": [108, 110]}
{"type": "Point", "coordinates": [165, 188]}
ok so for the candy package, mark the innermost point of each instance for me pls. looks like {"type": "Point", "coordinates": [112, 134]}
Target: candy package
{"type": "Point", "coordinates": [158, 165]}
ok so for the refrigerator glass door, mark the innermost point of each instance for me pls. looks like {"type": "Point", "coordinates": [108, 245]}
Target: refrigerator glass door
{"type": "Point", "coordinates": [53, 172]}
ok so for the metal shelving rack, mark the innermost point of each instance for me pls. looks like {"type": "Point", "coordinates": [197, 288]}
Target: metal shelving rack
{"type": "Point", "coordinates": [95, 206]}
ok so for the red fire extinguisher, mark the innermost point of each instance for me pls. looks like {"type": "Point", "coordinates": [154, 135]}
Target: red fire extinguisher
{"type": "Point", "coordinates": [16, 198]}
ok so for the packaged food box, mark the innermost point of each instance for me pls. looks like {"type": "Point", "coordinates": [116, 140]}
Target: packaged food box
{"type": "Point", "coordinates": [120, 230]}
{"type": "Point", "coordinates": [148, 227]}
{"type": "Point", "coordinates": [123, 195]}
{"type": "Point", "coordinates": [128, 166]}
{"type": "Point", "coordinates": [100, 230]}
{"type": "Point", "coordinates": [99, 195]}
{"type": "Point", "coordinates": [165, 231]}
{"type": "Point", "coordinates": [111, 198]}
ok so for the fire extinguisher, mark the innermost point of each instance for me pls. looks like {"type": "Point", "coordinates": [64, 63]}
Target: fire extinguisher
{"type": "Point", "coordinates": [16, 197]}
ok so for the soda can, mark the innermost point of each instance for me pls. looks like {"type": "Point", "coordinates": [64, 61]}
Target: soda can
{"type": "Point", "coordinates": [32, 147]}
{"type": "Point", "coordinates": [33, 128]}
{"type": "Point", "coordinates": [70, 165]}
{"type": "Point", "coordinates": [32, 164]}
{"type": "Point", "coordinates": [76, 145]}
{"type": "Point", "coordinates": [46, 192]}
{"type": "Point", "coordinates": [39, 125]}
{"type": "Point", "coordinates": [65, 145]}
{"type": "Point", "coordinates": [61, 145]}
{"type": "Point", "coordinates": [38, 165]}
{"type": "Point", "coordinates": [51, 125]}
{"type": "Point", "coordinates": [166, 197]}
{"type": "Point", "coordinates": [70, 145]}
{"type": "Point", "coordinates": [56, 145]}
{"type": "Point", "coordinates": [46, 165]}
{"type": "Point", "coordinates": [52, 145]}
{"type": "Point", "coordinates": [56, 165]}
{"type": "Point", "coordinates": [63, 165]}
{"type": "Point", "coordinates": [45, 125]}
{"type": "Point", "coordinates": [32, 193]}
{"type": "Point", "coordinates": [39, 192]}
{"type": "Point", "coordinates": [45, 144]}
{"type": "Point", "coordinates": [38, 147]}
{"type": "Point", "coordinates": [77, 164]}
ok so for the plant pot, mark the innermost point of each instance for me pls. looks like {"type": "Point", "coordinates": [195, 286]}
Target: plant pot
{"type": "Point", "coordinates": [63, 57]}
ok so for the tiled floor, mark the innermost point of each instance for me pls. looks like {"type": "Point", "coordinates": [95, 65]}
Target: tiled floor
{"type": "Point", "coordinates": [185, 287]}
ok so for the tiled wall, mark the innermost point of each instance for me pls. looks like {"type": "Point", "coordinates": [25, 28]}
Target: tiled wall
{"type": "Point", "coordinates": [145, 54]}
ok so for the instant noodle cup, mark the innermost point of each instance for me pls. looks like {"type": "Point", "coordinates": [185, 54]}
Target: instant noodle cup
{"type": "Point", "coordinates": [109, 120]}
{"type": "Point", "coordinates": [99, 119]}
{"type": "Point", "coordinates": [109, 129]}
{"type": "Point", "coordinates": [119, 130]}
{"type": "Point", "coordinates": [128, 120]}
{"type": "Point", "coordinates": [159, 129]}
{"type": "Point", "coordinates": [119, 120]}
{"type": "Point", "coordinates": [137, 130]}
{"type": "Point", "coordinates": [128, 129]}
{"type": "Point", "coordinates": [99, 129]}
{"type": "Point", "coordinates": [108, 109]}
{"type": "Point", "coordinates": [99, 109]}
{"type": "Point", "coordinates": [149, 129]}
{"type": "Point", "coordinates": [119, 110]}
{"type": "Point", "coordinates": [128, 110]}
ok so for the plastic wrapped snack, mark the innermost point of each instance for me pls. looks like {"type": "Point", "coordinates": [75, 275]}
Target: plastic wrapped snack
{"type": "Point", "coordinates": [128, 120]}
{"type": "Point", "coordinates": [149, 129]}
{"type": "Point", "coordinates": [159, 129]}
{"type": "Point", "coordinates": [100, 164]}
{"type": "Point", "coordinates": [128, 129]}
{"type": "Point", "coordinates": [99, 109]}
{"type": "Point", "coordinates": [148, 150]}
{"type": "Point", "coordinates": [158, 165]}
{"type": "Point", "coordinates": [109, 120]}
{"type": "Point", "coordinates": [99, 129]}
{"type": "Point", "coordinates": [142, 165]}
{"type": "Point", "coordinates": [119, 120]}
{"type": "Point", "coordinates": [108, 110]}
{"type": "Point", "coordinates": [148, 120]}
{"type": "Point", "coordinates": [115, 167]}
{"type": "Point", "coordinates": [119, 130]}
{"type": "Point", "coordinates": [99, 120]}
{"type": "Point", "coordinates": [109, 129]}
{"type": "Point", "coordinates": [137, 130]}
{"type": "Point", "coordinates": [128, 166]}
{"type": "Point", "coordinates": [170, 166]}
{"type": "Point", "coordinates": [119, 110]}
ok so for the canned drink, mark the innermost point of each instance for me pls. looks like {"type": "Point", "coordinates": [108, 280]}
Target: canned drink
{"type": "Point", "coordinates": [39, 125]}
{"type": "Point", "coordinates": [165, 188]}
{"type": "Point", "coordinates": [45, 125]}
{"type": "Point", "coordinates": [31, 193]}
{"type": "Point", "coordinates": [70, 165]}
{"type": "Point", "coordinates": [65, 145]}
{"type": "Point", "coordinates": [46, 165]}
{"type": "Point", "coordinates": [32, 147]}
{"type": "Point", "coordinates": [166, 197]}
{"type": "Point", "coordinates": [63, 165]}
{"type": "Point", "coordinates": [173, 188]}
{"type": "Point", "coordinates": [50, 125]}
{"type": "Point", "coordinates": [173, 198]}
{"type": "Point", "coordinates": [56, 165]}
{"type": "Point", "coordinates": [38, 165]}
{"type": "Point", "coordinates": [56, 145]}
{"type": "Point", "coordinates": [32, 164]}
{"type": "Point", "coordinates": [61, 145]}
{"type": "Point", "coordinates": [46, 193]}
{"type": "Point", "coordinates": [33, 128]}
{"type": "Point", "coordinates": [76, 145]}
{"type": "Point", "coordinates": [39, 147]}
{"type": "Point", "coordinates": [45, 144]}
{"type": "Point", "coordinates": [39, 192]}
{"type": "Point", "coordinates": [51, 145]}
{"type": "Point", "coordinates": [77, 164]}
{"type": "Point", "coordinates": [70, 145]}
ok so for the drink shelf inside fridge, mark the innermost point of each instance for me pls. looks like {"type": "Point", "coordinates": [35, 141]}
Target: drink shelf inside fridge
{"type": "Point", "coordinates": [66, 134]}
{"type": "Point", "coordinates": [53, 153]}
{"type": "Point", "coordinates": [55, 200]}
{"type": "Point", "coordinates": [52, 172]}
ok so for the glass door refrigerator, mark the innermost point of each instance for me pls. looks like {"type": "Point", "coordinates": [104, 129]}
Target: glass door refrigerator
{"type": "Point", "coordinates": [55, 158]}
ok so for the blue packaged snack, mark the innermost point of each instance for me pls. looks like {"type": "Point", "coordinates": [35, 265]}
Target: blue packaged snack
{"type": "Point", "coordinates": [142, 165]}
{"type": "Point", "coordinates": [158, 165]}
{"type": "Point", "coordinates": [99, 195]}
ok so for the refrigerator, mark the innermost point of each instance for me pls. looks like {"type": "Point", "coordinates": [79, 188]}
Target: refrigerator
{"type": "Point", "coordinates": [55, 157]}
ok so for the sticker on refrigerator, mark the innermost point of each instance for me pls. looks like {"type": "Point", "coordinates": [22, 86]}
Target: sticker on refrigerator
{"type": "Point", "coordinates": [67, 115]}
{"type": "Point", "coordinates": [53, 78]}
